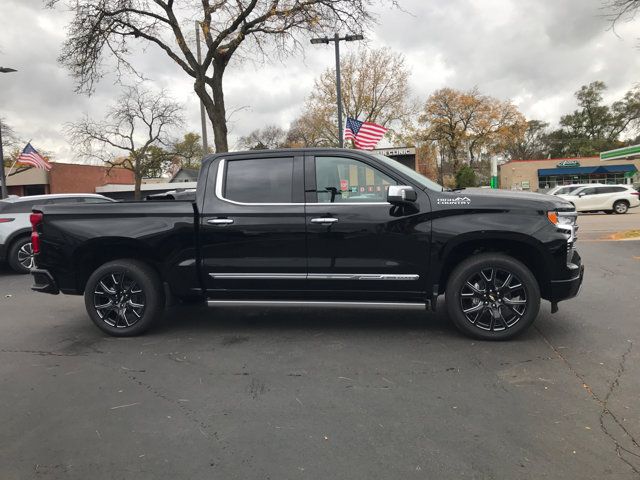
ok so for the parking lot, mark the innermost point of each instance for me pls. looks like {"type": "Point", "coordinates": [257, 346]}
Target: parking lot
{"type": "Point", "coordinates": [330, 394]}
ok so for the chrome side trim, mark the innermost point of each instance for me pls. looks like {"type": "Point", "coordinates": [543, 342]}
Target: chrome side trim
{"type": "Point", "coordinates": [360, 276]}
{"type": "Point", "coordinates": [313, 276]}
{"type": "Point", "coordinates": [218, 192]}
{"type": "Point", "coordinates": [259, 276]}
{"type": "Point", "coordinates": [302, 303]}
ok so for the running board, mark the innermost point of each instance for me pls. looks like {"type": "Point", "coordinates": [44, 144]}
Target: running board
{"type": "Point", "coordinates": [311, 303]}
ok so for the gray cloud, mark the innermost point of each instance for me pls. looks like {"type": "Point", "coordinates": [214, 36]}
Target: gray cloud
{"type": "Point", "coordinates": [532, 51]}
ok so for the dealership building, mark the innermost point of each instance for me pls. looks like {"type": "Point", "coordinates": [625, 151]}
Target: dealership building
{"type": "Point", "coordinates": [615, 167]}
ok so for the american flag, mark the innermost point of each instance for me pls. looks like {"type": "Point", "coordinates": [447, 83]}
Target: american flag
{"type": "Point", "coordinates": [30, 156]}
{"type": "Point", "coordinates": [365, 135]}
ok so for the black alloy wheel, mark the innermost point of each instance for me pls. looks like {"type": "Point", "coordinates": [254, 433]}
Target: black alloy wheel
{"type": "Point", "coordinates": [492, 296]}
{"type": "Point", "coordinates": [493, 299]}
{"type": "Point", "coordinates": [118, 300]}
{"type": "Point", "coordinates": [124, 297]}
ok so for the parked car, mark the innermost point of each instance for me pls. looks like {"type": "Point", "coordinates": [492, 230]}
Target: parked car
{"type": "Point", "coordinates": [567, 189]}
{"type": "Point", "coordinates": [314, 227]}
{"type": "Point", "coordinates": [185, 194]}
{"type": "Point", "coordinates": [15, 229]}
{"type": "Point", "coordinates": [604, 198]}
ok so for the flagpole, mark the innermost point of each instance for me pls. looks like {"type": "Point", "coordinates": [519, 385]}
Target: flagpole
{"type": "Point", "coordinates": [3, 178]}
{"type": "Point", "coordinates": [14, 164]}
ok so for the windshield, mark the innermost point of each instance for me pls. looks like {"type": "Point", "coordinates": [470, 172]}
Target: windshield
{"type": "Point", "coordinates": [410, 172]}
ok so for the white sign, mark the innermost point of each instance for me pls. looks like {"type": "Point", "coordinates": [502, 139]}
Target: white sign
{"type": "Point", "coordinates": [396, 151]}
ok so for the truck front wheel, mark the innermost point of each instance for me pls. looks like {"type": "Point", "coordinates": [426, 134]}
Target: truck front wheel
{"type": "Point", "coordinates": [492, 296]}
{"type": "Point", "coordinates": [124, 297]}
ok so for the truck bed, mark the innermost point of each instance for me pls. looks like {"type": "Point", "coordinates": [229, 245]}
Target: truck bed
{"type": "Point", "coordinates": [75, 238]}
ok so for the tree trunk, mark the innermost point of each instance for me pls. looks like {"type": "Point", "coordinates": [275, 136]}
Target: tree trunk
{"type": "Point", "coordinates": [218, 114]}
{"type": "Point", "coordinates": [136, 189]}
{"type": "Point", "coordinates": [214, 104]}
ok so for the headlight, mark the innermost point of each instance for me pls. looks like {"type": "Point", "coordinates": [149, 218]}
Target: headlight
{"type": "Point", "coordinates": [567, 223]}
{"type": "Point", "coordinates": [562, 218]}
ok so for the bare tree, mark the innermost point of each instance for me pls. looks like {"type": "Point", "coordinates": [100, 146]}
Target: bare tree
{"type": "Point", "coordinates": [622, 9]}
{"type": "Point", "coordinates": [271, 136]}
{"type": "Point", "coordinates": [375, 88]}
{"type": "Point", "coordinates": [131, 134]}
{"type": "Point", "coordinates": [110, 28]}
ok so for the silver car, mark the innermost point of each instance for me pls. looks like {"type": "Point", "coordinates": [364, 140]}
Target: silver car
{"type": "Point", "coordinates": [15, 228]}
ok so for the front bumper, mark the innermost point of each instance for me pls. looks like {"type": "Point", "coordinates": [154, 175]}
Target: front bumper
{"type": "Point", "coordinates": [568, 288]}
{"type": "Point", "coordinates": [44, 282]}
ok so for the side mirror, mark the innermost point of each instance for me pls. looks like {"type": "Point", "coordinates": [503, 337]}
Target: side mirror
{"type": "Point", "coordinates": [401, 195]}
{"type": "Point", "coordinates": [581, 195]}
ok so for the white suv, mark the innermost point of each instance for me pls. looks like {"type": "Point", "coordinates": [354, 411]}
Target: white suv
{"type": "Point", "coordinates": [605, 198]}
{"type": "Point", "coordinates": [15, 228]}
{"type": "Point", "coordinates": [567, 189]}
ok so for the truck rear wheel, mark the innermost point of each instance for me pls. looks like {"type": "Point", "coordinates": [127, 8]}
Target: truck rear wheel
{"type": "Point", "coordinates": [492, 296]}
{"type": "Point", "coordinates": [124, 297]}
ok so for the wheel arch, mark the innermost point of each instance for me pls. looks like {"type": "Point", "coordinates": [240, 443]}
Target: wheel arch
{"type": "Point", "coordinates": [93, 254]}
{"type": "Point", "coordinates": [518, 246]}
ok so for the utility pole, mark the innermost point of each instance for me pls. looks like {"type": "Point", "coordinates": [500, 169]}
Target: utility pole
{"type": "Point", "coordinates": [336, 39]}
{"type": "Point", "coordinates": [203, 118]}
{"type": "Point", "coordinates": [3, 178]}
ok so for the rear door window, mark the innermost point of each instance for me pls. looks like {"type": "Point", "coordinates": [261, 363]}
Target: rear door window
{"type": "Point", "coordinates": [23, 207]}
{"type": "Point", "coordinates": [263, 180]}
{"type": "Point", "coordinates": [587, 191]}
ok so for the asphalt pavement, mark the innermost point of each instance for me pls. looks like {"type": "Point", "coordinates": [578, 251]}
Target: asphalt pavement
{"type": "Point", "coordinates": [332, 394]}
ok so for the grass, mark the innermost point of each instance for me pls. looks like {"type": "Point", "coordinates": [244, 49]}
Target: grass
{"type": "Point", "coordinates": [626, 235]}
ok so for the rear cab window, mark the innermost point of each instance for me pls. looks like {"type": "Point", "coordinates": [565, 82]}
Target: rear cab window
{"type": "Point", "coordinates": [259, 180]}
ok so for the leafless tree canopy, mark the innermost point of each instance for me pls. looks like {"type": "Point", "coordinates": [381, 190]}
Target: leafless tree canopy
{"type": "Point", "coordinates": [131, 133]}
{"type": "Point", "coordinates": [622, 9]}
{"type": "Point", "coordinates": [375, 88]}
{"type": "Point", "coordinates": [110, 28]}
{"type": "Point", "coordinates": [268, 137]}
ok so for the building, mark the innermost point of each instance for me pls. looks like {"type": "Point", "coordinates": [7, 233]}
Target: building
{"type": "Point", "coordinates": [185, 175]}
{"type": "Point", "coordinates": [65, 178]}
{"type": "Point", "coordinates": [540, 175]}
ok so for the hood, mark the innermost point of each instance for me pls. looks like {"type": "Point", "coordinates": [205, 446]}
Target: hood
{"type": "Point", "coordinates": [492, 198]}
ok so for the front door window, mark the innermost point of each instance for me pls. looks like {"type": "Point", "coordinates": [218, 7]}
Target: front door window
{"type": "Point", "coordinates": [345, 180]}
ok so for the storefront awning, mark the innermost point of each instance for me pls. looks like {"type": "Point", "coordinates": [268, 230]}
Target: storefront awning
{"type": "Point", "coordinates": [548, 172]}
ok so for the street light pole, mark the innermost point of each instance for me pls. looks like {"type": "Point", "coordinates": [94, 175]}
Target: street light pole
{"type": "Point", "coordinates": [3, 178]}
{"type": "Point", "coordinates": [336, 39]}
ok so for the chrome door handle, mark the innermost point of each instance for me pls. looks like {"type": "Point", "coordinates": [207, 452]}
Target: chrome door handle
{"type": "Point", "coordinates": [220, 221]}
{"type": "Point", "coordinates": [324, 220]}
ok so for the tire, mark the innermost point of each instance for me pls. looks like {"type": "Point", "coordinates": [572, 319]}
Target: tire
{"type": "Point", "coordinates": [486, 280]}
{"type": "Point", "coordinates": [620, 207]}
{"type": "Point", "coordinates": [124, 297]}
{"type": "Point", "coordinates": [21, 255]}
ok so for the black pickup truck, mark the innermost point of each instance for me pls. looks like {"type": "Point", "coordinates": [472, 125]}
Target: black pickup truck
{"type": "Point", "coordinates": [314, 227]}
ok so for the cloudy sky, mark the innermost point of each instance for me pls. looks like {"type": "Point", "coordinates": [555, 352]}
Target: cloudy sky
{"type": "Point", "coordinates": [534, 52]}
